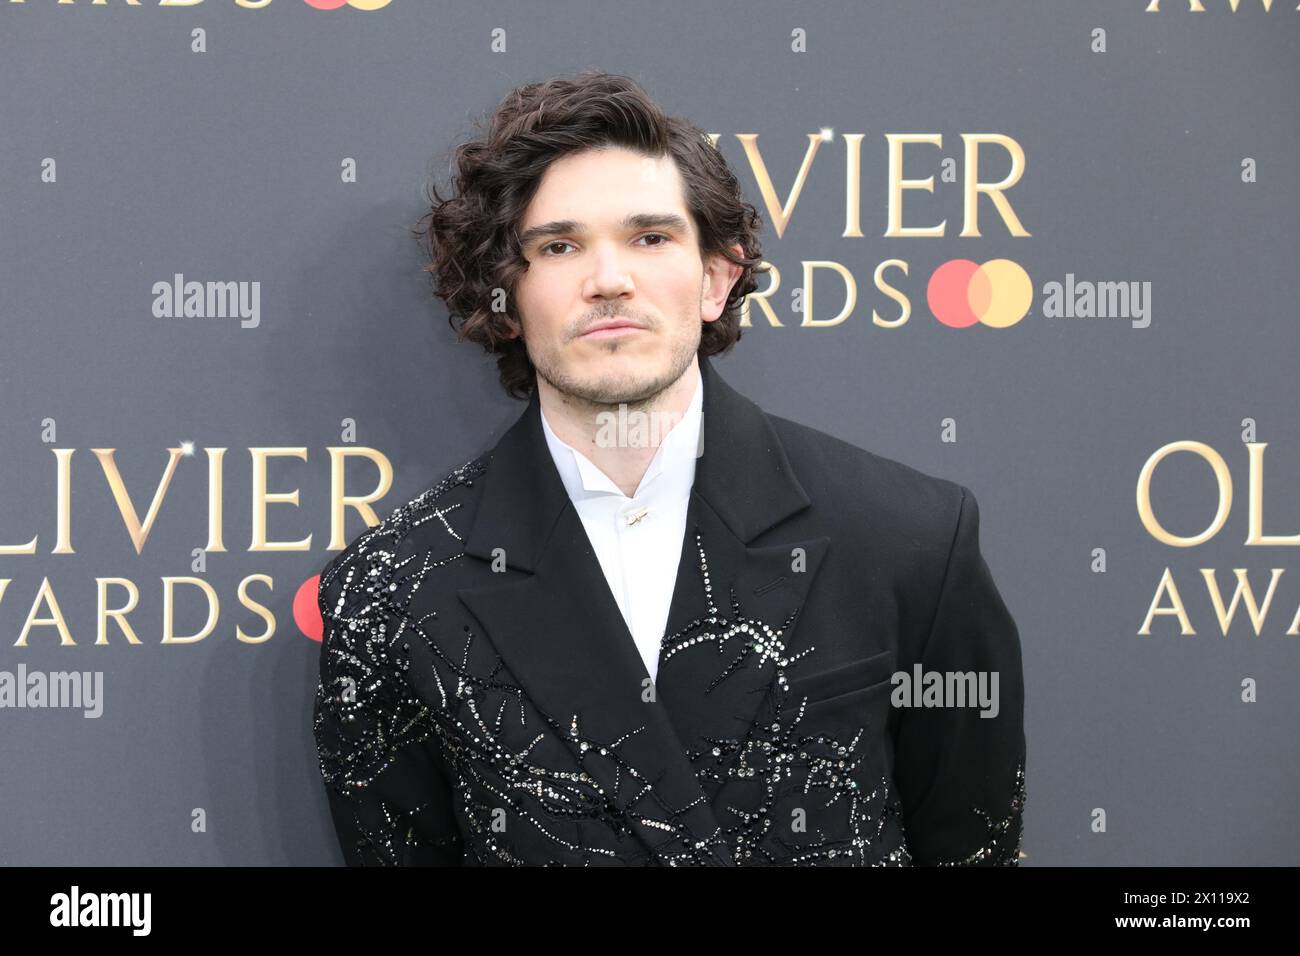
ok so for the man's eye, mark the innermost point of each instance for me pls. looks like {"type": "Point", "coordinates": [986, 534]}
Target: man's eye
{"type": "Point", "coordinates": [546, 249]}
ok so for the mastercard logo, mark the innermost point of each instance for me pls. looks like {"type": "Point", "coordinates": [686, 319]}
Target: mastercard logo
{"type": "Point", "coordinates": [355, 4]}
{"type": "Point", "coordinates": [997, 293]}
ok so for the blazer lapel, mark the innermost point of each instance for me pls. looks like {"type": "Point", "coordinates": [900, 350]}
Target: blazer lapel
{"type": "Point", "coordinates": [731, 632]}
{"type": "Point", "coordinates": [732, 625]}
{"type": "Point", "coordinates": [556, 625]}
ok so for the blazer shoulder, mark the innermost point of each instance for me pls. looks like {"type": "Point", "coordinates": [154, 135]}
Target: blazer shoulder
{"type": "Point", "coordinates": [852, 480]}
{"type": "Point", "coordinates": [402, 532]}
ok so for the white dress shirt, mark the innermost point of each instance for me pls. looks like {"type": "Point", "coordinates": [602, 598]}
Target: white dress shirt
{"type": "Point", "coordinates": [638, 540]}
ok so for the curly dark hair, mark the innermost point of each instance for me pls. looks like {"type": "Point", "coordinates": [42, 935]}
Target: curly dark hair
{"type": "Point", "coordinates": [471, 238]}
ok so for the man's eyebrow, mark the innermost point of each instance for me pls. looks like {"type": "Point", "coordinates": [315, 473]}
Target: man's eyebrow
{"type": "Point", "coordinates": [641, 220]}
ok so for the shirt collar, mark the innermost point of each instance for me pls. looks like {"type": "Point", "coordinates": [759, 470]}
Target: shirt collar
{"type": "Point", "coordinates": [669, 477]}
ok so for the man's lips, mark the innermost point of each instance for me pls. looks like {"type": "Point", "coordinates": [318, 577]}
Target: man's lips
{"type": "Point", "coordinates": [612, 329]}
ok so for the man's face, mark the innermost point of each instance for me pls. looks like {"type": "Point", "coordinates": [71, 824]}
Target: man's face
{"type": "Point", "coordinates": [608, 238]}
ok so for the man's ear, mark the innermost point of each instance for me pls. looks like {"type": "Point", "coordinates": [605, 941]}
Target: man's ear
{"type": "Point", "coordinates": [720, 274]}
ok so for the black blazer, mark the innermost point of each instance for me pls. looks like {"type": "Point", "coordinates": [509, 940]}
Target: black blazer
{"type": "Point", "coordinates": [481, 700]}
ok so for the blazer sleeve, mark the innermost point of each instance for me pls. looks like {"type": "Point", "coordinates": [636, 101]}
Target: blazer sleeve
{"type": "Point", "coordinates": [386, 782]}
{"type": "Point", "coordinates": [960, 775]}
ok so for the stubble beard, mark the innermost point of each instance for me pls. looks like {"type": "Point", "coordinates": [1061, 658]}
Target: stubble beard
{"type": "Point", "coordinates": [607, 392]}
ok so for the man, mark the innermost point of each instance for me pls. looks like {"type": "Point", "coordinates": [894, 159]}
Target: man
{"type": "Point", "coordinates": [654, 625]}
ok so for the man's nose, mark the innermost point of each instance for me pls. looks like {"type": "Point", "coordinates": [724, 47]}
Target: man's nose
{"type": "Point", "coordinates": [610, 273]}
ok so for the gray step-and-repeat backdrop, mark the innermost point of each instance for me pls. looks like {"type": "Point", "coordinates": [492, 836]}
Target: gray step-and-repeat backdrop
{"type": "Point", "coordinates": [1047, 250]}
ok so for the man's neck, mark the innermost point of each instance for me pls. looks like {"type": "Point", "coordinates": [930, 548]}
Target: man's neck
{"type": "Point", "coordinates": [583, 426]}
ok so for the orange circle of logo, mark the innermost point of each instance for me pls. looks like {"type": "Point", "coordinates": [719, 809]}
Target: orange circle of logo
{"type": "Point", "coordinates": [997, 293]}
